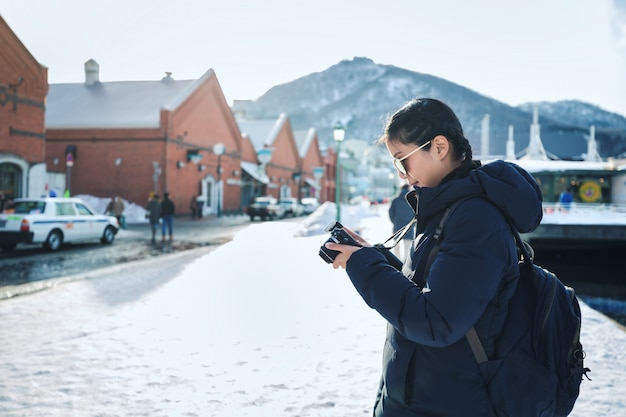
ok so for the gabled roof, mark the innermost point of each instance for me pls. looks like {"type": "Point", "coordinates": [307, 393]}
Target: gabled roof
{"type": "Point", "coordinates": [262, 132]}
{"type": "Point", "coordinates": [119, 104]}
{"type": "Point", "coordinates": [304, 139]}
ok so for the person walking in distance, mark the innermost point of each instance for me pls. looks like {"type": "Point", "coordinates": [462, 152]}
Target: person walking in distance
{"type": "Point", "coordinates": [167, 214]}
{"type": "Point", "coordinates": [116, 208]}
{"type": "Point", "coordinates": [153, 214]}
{"type": "Point", "coordinates": [193, 206]}
{"type": "Point", "coordinates": [400, 214]}
{"type": "Point", "coordinates": [565, 199]}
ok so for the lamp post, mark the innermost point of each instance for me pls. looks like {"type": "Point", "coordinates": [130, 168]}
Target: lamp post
{"type": "Point", "coordinates": [218, 149]}
{"type": "Point", "coordinates": [338, 134]}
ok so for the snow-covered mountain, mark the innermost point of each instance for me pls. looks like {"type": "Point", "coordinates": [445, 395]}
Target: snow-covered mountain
{"type": "Point", "coordinates": [361, 94]}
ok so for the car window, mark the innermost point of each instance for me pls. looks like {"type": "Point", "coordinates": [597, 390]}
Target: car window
{"type": "Point", "coordinates": [83, 210]}
{"type": "Point", "coordinates": [65, 209]}
{"type": "Point", "coordinates": [28, 207]}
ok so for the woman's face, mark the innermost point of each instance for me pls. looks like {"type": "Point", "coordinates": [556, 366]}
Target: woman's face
{"type": "Point", "coordinates": [426, 167]}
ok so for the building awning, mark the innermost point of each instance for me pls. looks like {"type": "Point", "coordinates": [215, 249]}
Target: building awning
{"type": "Point", "coordinates": [311, 183]}
{"type": "Point", "coordinates": [255, 172]}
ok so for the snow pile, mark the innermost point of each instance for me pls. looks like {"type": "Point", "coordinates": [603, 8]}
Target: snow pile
{"type": "Point", "coordinates": [132, 212]}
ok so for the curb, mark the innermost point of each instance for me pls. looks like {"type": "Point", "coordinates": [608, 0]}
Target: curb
{"type": "Point", "coordinates": [13, 291]}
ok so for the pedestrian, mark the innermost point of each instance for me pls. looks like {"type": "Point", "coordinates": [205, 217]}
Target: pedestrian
{"type": "Point", "coordinates": [153, 214]}
{"type": "Point", "coordinates": [116, 208]}
{"type": "Point", "coordinates": [565, 199]}
{"type": "Point", "coordinates": [400, 214]}
{"type": "Point", "coordinates": [428, 365]}
{"type": "Point", "coordinates": [167, 214]}
{"type": "Point", "coordinates": [193, 206]}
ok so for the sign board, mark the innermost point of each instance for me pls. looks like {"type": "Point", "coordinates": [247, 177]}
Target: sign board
{"type": "Point", "coordinates": [69, 160]}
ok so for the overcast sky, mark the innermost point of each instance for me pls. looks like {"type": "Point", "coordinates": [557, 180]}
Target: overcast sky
{"type": "Point", "coordinates": [515, 52]}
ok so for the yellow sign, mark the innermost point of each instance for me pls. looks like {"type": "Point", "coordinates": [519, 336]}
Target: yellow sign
{"type": "Point", "coordinates": [590, 192]}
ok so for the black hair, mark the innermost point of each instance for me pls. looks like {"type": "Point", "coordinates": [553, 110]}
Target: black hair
{"type": "Point", "coordinates": [420, 120]}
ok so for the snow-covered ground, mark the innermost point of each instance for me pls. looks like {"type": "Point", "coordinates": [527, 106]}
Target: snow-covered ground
{"type": "Point", "coordinates": [259, 327]}
{"type": "Point", "coordinates": [132, 212]}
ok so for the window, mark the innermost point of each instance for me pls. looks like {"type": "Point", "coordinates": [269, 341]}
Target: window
{"type": "Point", "coordinates": [28, 207]}
{"type": "Point", "coordinates": [83, 210]}
{"type": "Point", "coordinates": [65, 209]}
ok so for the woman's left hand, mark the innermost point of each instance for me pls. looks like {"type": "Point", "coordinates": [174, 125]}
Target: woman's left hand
{"type": "Point", "coordinates": [345, 252]}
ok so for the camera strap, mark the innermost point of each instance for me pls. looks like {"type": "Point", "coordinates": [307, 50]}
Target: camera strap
{"type": "Point", "coordinates": [398, 235]}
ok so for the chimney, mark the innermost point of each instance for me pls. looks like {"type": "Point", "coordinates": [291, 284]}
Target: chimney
{"type": "Point", "coordinates": [92, 72]}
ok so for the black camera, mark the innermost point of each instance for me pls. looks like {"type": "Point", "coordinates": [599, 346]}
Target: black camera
{"type": "Point", "coordinates": [337, 235]}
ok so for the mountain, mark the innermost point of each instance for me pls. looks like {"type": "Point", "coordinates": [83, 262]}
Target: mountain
{"type": "Point", "coordinates": [361, 94]}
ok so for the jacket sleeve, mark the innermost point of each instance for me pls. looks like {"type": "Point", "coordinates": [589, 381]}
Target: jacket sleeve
{"type": "Point", "coordinates": [476, 250]}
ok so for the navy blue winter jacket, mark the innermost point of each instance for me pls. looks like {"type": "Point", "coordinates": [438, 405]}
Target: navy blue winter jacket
{"type": "Point", "coordinates": [428, 366]}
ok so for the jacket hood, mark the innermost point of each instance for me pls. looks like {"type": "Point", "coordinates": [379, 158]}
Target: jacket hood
{"type": "Point", "coordinates": [505, 184]}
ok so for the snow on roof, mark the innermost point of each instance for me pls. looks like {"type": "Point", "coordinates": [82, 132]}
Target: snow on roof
{"type": "Point", "coordinates": [119, 104]}
{"type": "Point", "coordinates": [259, 131]}
{"type": "Point", "coordinates": [304, 139]}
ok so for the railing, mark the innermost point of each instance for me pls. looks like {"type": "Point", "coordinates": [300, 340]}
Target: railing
{"type": "Point", "coordinates": [583, 213]}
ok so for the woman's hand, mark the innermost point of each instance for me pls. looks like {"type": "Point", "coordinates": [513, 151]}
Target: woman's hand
{"type": "Point", "coordinates": [346, 251]}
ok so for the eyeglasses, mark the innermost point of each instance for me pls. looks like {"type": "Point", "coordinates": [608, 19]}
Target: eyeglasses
{"type": "Point", "coordinates": [398, 162]}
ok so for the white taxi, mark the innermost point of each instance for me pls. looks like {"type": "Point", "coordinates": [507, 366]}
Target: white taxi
{"type": "Point", "coordinates": [52, 221]}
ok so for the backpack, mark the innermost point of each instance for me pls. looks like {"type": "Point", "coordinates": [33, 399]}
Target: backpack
{"type": "Point", "coordinates": [538, 366]}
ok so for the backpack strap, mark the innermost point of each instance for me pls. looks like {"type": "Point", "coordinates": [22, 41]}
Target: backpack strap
{"type": "Point", "coordinates": [475, 344]}
{"type": "Point", "coordinates": [477, 347]}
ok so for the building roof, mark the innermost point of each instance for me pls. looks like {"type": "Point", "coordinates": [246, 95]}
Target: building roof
{"type": "Point", "coordinates": [120, 104]}
{"type": "Point", "coordinates": [262, 132]}
{"type": "Point", "coordinates": [304, 139]}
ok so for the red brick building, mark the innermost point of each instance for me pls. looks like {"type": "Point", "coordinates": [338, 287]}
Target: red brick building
{"type": "Point", "coordinates": [279, 162]}
{"type": "Point", "coordinates": [311, 164]}
{"type": "Point", "coordinates": [136, 137]}
{"type": "Point", "coordinates": [23, 88]}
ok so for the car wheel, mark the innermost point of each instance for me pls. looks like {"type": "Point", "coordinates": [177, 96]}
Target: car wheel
{"type": "Point", "coordinates": [53, 241]}
{"type": "Point", "coordinates": [8, 247]}
{"type": "Point", "coordinates": [108, 235]}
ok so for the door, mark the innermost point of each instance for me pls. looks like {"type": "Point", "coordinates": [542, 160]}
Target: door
{"type": "Point", "coordinates": [209, 195]}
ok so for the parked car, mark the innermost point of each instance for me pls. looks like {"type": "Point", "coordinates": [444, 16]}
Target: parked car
{"type": "Point", "coordinates": [309, 205]}
{"type": "Point", "coordinates": [292, 206]}
{"type": "Point", "coordinates": [53, 221]}
{"type": "Point", "coordinates": [266, 208]}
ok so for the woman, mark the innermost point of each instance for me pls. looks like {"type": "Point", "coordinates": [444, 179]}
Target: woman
{"type": "Point", "coordinates": [428, 366]}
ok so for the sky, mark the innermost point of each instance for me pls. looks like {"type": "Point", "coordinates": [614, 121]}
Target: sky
{"type": "Point", "coordinates": [515, 52]}
{"type": "Point", "coordinates": [196, 334]}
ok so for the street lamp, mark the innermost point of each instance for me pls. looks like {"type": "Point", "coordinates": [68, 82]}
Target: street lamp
{"type": "Point", "coordinates": [218, 149]}
{"type": "Point", "coordinates": [338, 134]}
